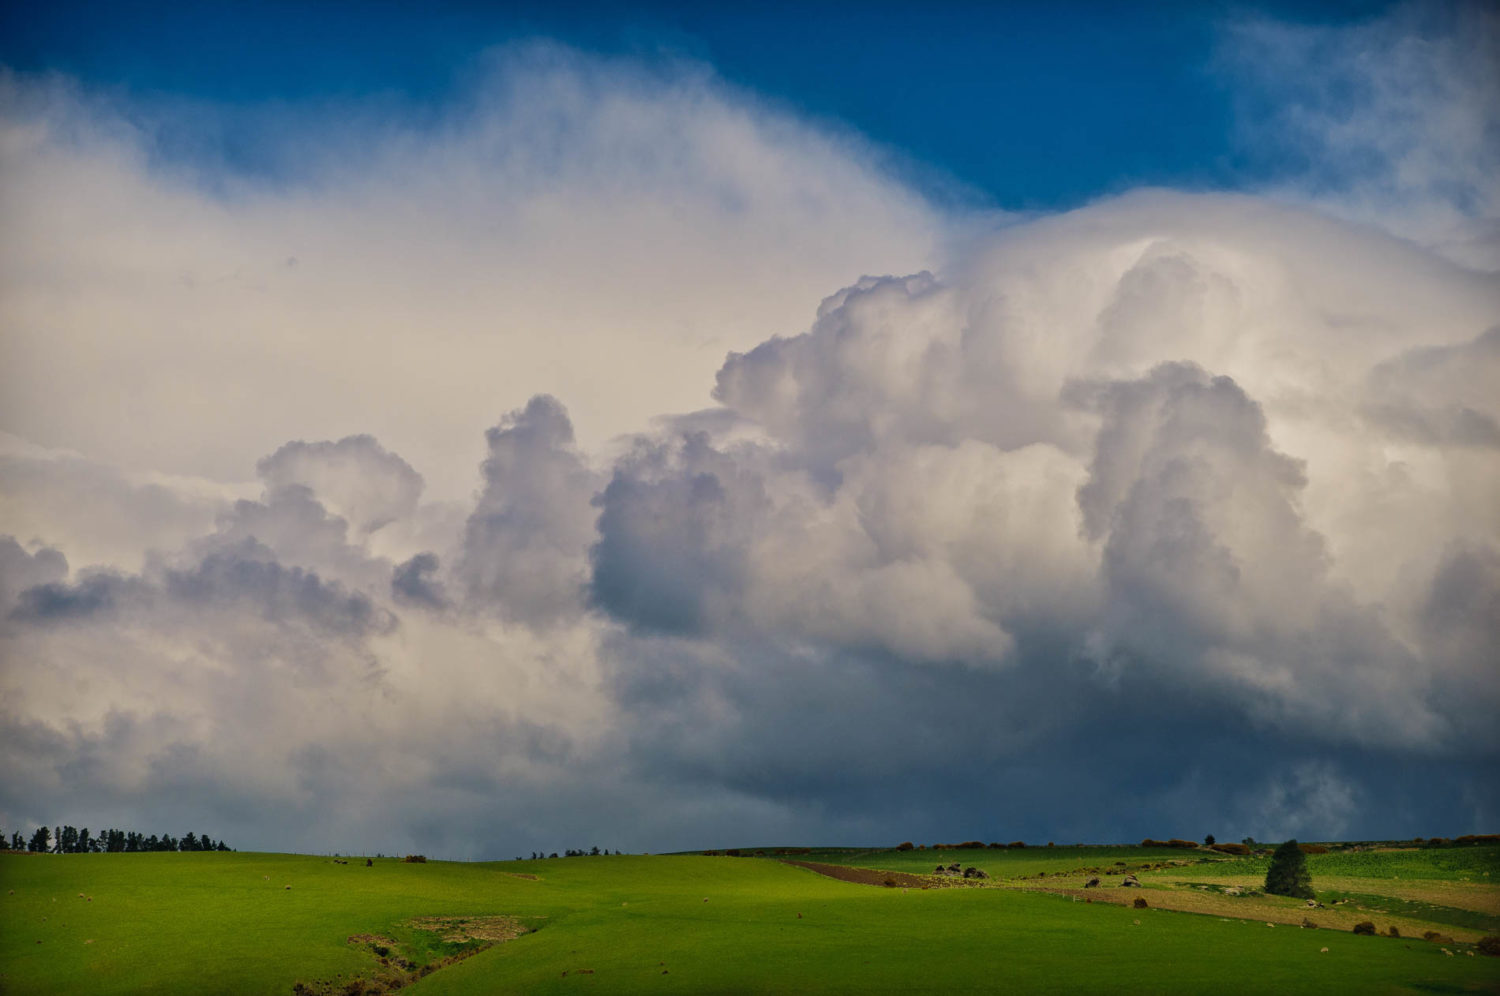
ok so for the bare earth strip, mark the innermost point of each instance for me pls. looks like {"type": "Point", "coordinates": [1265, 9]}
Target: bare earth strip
{"type": "Point", "coordinates": [870, 876]}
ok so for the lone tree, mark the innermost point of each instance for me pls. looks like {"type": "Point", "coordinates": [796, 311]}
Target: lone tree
{"type": "Point", "coordinates": [1288, 875]}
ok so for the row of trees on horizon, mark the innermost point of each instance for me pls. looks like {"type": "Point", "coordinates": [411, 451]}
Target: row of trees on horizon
{"type": "Point", "coordinates": [70, 840]}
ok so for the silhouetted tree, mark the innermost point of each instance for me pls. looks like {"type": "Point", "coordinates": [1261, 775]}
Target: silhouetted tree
{"type": "Point", "coordinates": [1208, 841]}
{"type": "Point", "coordinates": [1288, 874]}
{"type": "Point", "coordinates": [41, 841]}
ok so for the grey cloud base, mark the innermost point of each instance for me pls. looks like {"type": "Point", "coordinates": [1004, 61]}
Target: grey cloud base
{"type": "Point", "coordinates": [1173, 515]}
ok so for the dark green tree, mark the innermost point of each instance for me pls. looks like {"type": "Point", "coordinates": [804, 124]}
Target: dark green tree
{"type": "Point", "coordinates": [1208, 841]}
{"type": "Point", "coordinates": [1288, 874]}
{"type": "Point", "coordinates": [41, 841]}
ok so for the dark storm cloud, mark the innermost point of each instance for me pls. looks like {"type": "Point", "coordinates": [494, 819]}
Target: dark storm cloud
{"type": "Point", "coordinates": [414, 582]}
{"type": "Point", "coordinates": [246, 576]}
{"type": "Point", "coordinates": [92, 595]}
{"type": "Point", "coordinates": [674, 523]}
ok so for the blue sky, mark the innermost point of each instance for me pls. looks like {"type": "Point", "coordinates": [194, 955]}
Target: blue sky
{"type": "Point", "coordinates": [1036, 106]}
{"type": "Point", "coordinates": [471, 430]}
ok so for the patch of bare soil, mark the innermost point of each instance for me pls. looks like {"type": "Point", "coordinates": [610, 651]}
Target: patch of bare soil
{"type": "Point", "coordinates": [473, 928]}
{"type": "Point", "coordinates": [529, 878]}
{"type": "Point", "coordinates": [874, 876]}
{"type": "Point", "coordinates": [394, 971]}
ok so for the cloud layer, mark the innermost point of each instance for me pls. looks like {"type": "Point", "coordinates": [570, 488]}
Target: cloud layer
{"type": "Point", "coordinates": [1172, 514]}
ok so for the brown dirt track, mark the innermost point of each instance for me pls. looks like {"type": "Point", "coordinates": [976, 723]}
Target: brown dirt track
{"type": "Point", "coordinates": [866, 876]}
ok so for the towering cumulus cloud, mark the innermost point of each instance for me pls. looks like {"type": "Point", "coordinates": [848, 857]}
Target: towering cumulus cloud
{"type": "Point", "coordinates": [1168, 509]}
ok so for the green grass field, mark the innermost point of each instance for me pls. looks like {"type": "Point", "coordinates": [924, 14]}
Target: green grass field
{"type": "Point", "coordinates": [226, 923]}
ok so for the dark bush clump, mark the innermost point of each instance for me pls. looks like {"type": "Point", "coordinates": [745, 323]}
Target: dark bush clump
{"type": "Point", "coordinates": [905, 845]}
{"type": "Point", "coordinates": [970, 845]}
{"type": "Point", "coordinates": [1140, 902]}
{"type": "Point", "coordinates": [1231, 848]}
{"type": "Point", "coordinates": [415, 859]}
{"type": "Point", "coordinates": [1152, 842]}
{"type": "Point", "coordinates": [1017, 843]}
{"type": "Point", "coordinates": [733, 852]}
{"type": "Point", "coordinates": [1364, 927]}
{"type": "Point", "coordinates": [1313, 848]}
{"type": "Point", "coordinates": [1489, 946]}
{"type": "Point", "coordinates": [1179, 842]}
{"type": "Point", "coordinates": [1391, 931]}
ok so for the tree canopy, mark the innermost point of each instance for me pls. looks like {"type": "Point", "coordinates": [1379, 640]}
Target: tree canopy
{"type": "Point", "coordinates": [1288, 874]}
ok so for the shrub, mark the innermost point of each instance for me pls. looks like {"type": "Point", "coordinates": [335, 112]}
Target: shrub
{"type": "Point", "coordinates": [1152, 842]}
{"type": "Point", "coordinates": [733, 852]}
{"type": "Point", "coordinates": [415, 859]}
{"type": "Point", "coordinates": [1017, 843]}
{"type": "Point", "coordinates": [1364, 927]}
{"type": "Point", "coordinates": [905, 845]}
{"type": "Point", "coordinates": [890, 883]}
{"type": "Point", "coordinates": [1288, 875]}
{"type": "Point", "coordinates": [1231, 848]}
{"type": "Point", "coordinates": [1391, 931]}
{"type": "Point", "coordinates": [1312, 848]}
{"type": "Point", "coordinates": [997, 846]}
{"type": "Point", "coordinates": [1489, 946]}
{"type": "Point", "coordinates": [1179, 842]}
{"type": "Point", "coordinates": [1140, 902]}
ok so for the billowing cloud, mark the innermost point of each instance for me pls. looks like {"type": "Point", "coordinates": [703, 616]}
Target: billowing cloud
{"type": "Point", "coordinates": [525, 544]}
{"type": "Point", "coordinates": [411, 273]}
{"type": "Point", "coordinates": [355, 478]}
{"type": "Point", "coordinates": [1035, 537]}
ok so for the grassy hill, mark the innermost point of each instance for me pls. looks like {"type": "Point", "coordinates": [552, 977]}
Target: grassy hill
{"type": "Point", "coordinates": [228, 923]}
